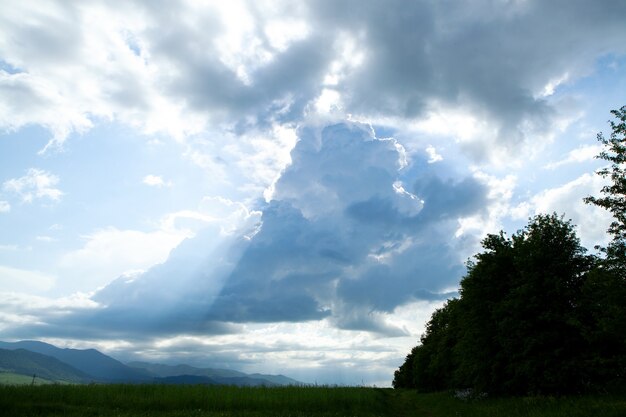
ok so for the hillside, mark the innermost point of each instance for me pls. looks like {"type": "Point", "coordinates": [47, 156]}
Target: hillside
{"type": "Point", "coordinates": [89, 361]}
{"type": "Point", "coordinates": [92, 365]}
{"type": "Point", "coordinates": [217, 376]}
{"type": "Point", "coordinates": [10, 378]}
{"type": "Point", "coordinates": [276, 379]}
{"type": "Point", "coordinates": [24, 362]}
{"type": "Point", "coordinates": [185, 380]}
{"type": "Point", "coordinates": [162, 370]}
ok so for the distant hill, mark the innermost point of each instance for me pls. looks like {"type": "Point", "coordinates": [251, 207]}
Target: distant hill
{"type": "Point", "coordinates": [97, 365]}
{"type": "Point", "coordinates": [25, 362]}
{"type": "Point", "coordinates": [277, 379]}
{"type": "Point", "coordinates": [185, 380]}
{"type": "Point", "coordinates": [175, 370]}
{"type": "Point", "coordinates": [219, 376]}
{"type": "Point", "coordinates": [90, 365]}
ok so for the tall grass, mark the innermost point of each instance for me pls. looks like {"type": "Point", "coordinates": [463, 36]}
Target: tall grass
{"type": "Point", "coordinates": [445, 405]}
{"type": "Point", "coordinates": [139, 400]}
{"type": "Point", "coordinates": [178, 401]}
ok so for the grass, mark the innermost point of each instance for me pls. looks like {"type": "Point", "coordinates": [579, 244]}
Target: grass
{"type": "Point", "coordinates": [171, 401]}
{"type": "Point", "coordinates": [444, 404]}
{"type": "Point", "coordinates": [8, 378]}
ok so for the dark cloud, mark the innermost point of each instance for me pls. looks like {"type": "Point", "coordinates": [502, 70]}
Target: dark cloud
{"type": "Point", "coordinates": [363, 319]}
{"type": "Point", "coordinates": [490, 57]}
{"type": "Point", "coordinates": [341, 239]}
{"type": "Point", "coordinates": [279, 273]}
{"type": "Point", "coordinates": [445, 200]}
{"type": "Point", "coordinates": [338, 238]}
{"type": "Point", "coordinates": [279, 89]}
{"type": "Point", "coordinates": [116, 323]}
{"type": "Point", "coordinates": [493, 56]}
{"type": "Point", "coordinates": [40, 42]}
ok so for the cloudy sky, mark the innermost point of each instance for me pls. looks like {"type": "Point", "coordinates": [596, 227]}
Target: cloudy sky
{"type": "Point", "coordinates": [285, 187]}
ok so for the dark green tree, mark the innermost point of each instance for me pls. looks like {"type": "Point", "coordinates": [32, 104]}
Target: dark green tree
{"type": "Point", "coordinates": [526, 321]}
{"type": "Point", "coordinates": [538, 331]}
{"type": "Point", "coordinates": [614, 194]}
{"type": "Point", "coordinates": [602, 322]}
{"type": "Point", "coordinates": [605, 290]}
{"type": "Point", "coordinates": [434, 363]}
{"type": "Point", "coordinates": [520, 301]}
{"type": "Point", "coordinates": [431, 365]}
{"type": "Point", "coordinates": [404, 377]}
{"type": "Point", "coordinates": [490, 277]}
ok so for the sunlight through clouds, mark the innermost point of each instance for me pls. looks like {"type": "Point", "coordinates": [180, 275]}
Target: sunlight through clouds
{"type": "Point", "coordinates": [21, 280]}
{"type": "Point", "coordinates": [235, 178]}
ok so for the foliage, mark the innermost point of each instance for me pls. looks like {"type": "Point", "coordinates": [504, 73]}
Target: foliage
{"type": "Point", "coordinates": [605, 290]}
{"type": "Point", "coordinates": [404, 377]}
{"type": "Point", "coordinates": [519, 306]}
{"type": "Point", "coordinates": [534, 316]}
{"type": "Point", "coordinates": [430, 364]}
{"type": "Point", "coordinates": [434, 364]}
{"type": "Point", "coordinates": [614, 198]}
{"type": "Point", "coordinates": [602, 324]}
{"type": "Point", "coordinates": [443, 404]}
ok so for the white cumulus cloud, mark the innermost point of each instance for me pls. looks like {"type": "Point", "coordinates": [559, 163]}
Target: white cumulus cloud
{"type": "Point", "coordinates": [591, 221]}
{"type": "Point", "coordinates": [36, 184]}
{"type": "Point", "coordinates": [580, 154]}
{"type": "Point", "coordinates": [342, 238]}
{"type": "Point", "coordinates": [156, 181]}
{"type": "Point", "coordinates": [433, 156]}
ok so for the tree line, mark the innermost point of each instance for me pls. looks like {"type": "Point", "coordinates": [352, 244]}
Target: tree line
{"type": "Point", "coordinates": [536, 313]}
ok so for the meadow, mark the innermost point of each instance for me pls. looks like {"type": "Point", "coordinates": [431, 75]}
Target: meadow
{"type": "Point", "coordinates": [164, 400]}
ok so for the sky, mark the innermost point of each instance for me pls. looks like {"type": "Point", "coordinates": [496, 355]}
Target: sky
{"type": "Point", "coordinates": [285, 187]}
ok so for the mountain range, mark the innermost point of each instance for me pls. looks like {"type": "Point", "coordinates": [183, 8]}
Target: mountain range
{"type": "Point", "coordinates": [51, 363]}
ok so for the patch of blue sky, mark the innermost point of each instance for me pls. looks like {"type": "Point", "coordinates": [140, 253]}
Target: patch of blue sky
{"type": "Point", "coordinates": [8, 68]}
{"type": "Point", "coordinates": [133, 46]}
{"type": "Point", "coordinates": [382, 131]}
{"type": "Point", "coordinates": [602, 88]}
{"type": "Point", "coordinates": [590, 96]}
{"type": "Point", "coordinates": [18, 149]}
{"type": "Point", "coordinates": [100, 174]}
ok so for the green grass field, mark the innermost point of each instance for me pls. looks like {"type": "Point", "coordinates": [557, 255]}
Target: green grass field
{"type": "Point", "coordinates": [162, 400]}
{"type": "Point", "coordinates": [7, 378]}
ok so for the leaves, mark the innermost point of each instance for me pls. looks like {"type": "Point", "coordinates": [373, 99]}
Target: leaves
{"type": "Point", "coordinates": [536, 314]}
{"type": "Point", "coordinates": [533, 314]}
{"type": "Point", "coordinates": [614, 199]}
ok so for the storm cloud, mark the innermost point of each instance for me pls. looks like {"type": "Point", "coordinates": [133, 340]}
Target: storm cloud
{"type": "Point", "coordinates": [497, 58]}
{"type": "Point", "coordinates": [340, 238]}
